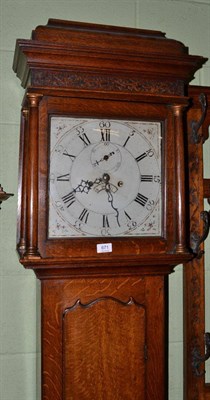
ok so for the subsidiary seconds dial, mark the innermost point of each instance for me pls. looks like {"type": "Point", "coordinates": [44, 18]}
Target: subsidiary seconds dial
{"type": "Point", "coordinates": [105, 178]}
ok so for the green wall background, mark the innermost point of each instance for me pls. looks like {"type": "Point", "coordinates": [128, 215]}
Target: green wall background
{"type": "Point", "coordinates": [184, 20]}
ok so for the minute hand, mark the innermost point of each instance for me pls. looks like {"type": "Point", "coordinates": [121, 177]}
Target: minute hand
{"type": "Point", "coordinates": [109, 191]}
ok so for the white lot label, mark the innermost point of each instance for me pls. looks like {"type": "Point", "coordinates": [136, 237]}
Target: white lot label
{"type": "Point", "coordinates": [104, 248]}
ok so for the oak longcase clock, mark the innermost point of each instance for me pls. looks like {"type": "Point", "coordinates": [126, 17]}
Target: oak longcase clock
{"type": "Point", "coordinates": [102, 216]}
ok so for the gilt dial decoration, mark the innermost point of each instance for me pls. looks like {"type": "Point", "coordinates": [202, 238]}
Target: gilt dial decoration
{"type": "Point", "coordinates": [104, 178]}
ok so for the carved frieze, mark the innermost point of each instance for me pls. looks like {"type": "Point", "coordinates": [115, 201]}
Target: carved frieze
{"type": "Point", "coordinates": [105, 82]}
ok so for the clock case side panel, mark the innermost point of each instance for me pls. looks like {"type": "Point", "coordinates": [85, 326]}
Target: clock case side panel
{"type": "Point", "coordinates": [126, 251]}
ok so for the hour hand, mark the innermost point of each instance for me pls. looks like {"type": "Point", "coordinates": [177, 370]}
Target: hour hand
{"type": "Point", "coordinates": [84, 186]}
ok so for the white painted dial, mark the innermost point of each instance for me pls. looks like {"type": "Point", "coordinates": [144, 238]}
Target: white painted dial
{"type": "Point", "coordinates": [104, 178]}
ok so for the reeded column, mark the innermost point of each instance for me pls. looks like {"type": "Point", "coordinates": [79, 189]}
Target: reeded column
{"type": "Point", "coordinates": [21, 245]}
{"type": "Point", "coordinates": [180, 178]}
{"type": "Point", "coordinates": [32, 177]}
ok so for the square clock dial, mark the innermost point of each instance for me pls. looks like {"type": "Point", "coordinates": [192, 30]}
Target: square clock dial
{"type": "Point", "coordinates": [104, 178]}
